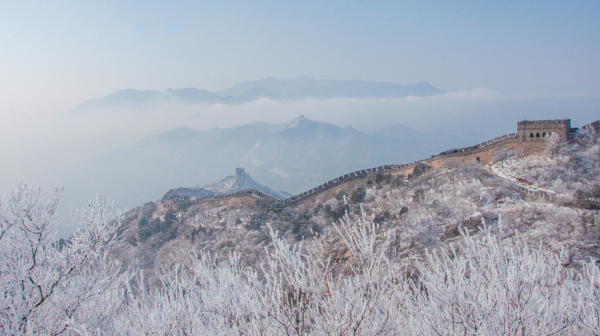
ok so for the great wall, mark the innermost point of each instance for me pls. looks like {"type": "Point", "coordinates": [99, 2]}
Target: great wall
{"type": "Point", "coordinates": [530, 138]}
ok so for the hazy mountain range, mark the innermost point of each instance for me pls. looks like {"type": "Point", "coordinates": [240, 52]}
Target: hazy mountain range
{"type": "Point", "coordinates": [134, 146]}
{"type": "Point", "coordinates": [291, 157]}
{"type": "Point", "coordinates": [277, 89]}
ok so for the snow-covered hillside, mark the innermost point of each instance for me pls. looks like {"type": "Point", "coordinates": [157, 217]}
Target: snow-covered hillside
{"type": "Point", "coordinates": [422, 212]}
{"type": "Point", "coordinates": [562, 169]}
{"type": "Point", "coordinates": [459, 249]}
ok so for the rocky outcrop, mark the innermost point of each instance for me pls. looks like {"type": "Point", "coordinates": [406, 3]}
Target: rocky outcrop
{"type": "Point", "coordinates": [229, 185]}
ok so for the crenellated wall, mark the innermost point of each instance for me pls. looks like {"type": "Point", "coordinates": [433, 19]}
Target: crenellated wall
{"type": "Point", "coordinates": [526, 139]}
{"type": "Point", "coordinates": [481, 153]}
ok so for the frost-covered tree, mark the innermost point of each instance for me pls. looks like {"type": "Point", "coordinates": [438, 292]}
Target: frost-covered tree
{"type": "Point", "coordinates": [487, 287]}
{"type": "Point", "coordinates": [552, 145]}
{"type": "Point", "coordinates": [47, 287]}
{"type": "Point", "coordinates": [345, 282]}
{"type": "Point", "coordinates": [415, 258]}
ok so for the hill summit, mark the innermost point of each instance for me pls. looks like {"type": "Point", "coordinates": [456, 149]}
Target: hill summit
{"type": "Point", "coordinates": [230, 184]}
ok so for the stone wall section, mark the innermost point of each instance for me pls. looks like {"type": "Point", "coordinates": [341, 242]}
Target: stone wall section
{"type": "Point", "coordinates": [237, 199]}
{"type": "Point", "coordinates": [166, 205]}
{"type": "Point", "coordinates": [538, 130]}
{"type": "Point", "coordinates": [483, 153]}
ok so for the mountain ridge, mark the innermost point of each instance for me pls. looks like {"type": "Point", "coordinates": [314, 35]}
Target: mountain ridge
{"type": "Point", "coordinates": [228, 185]}
{"type": "Point", "coordinates": [249, 91]}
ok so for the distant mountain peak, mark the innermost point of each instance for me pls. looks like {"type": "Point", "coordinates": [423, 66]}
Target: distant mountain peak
{"type": "Point", "coordinates": [228, 185]}
{"type": "Point", "coordinates": [294, 122]}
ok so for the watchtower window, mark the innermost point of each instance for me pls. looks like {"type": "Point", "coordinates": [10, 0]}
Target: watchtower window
{"type": "Point", "coordinates": [537, 135]}
{"type": "Point", "coordinates": [531, 135]}
{"type": "Point", "coordinates": [544, 135]}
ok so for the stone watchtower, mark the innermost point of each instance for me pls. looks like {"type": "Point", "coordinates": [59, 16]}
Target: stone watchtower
{"type": "Point", "coordinates": [239, 172]}
{"type": "Point", "coordinates": [540, 130]}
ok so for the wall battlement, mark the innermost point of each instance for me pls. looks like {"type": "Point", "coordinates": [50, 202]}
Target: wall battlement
{"type": "Point", "coordinates": [544, 122]}
{"type": "Point", "coordinates": [538, 130]}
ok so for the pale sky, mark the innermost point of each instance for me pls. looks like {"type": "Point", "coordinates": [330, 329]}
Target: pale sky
{"type": "Point", "coordinates": [56, 54]}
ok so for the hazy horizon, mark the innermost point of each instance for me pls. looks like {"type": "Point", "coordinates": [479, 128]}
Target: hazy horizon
{"type": "Point", "coordinates": [59, 53]}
